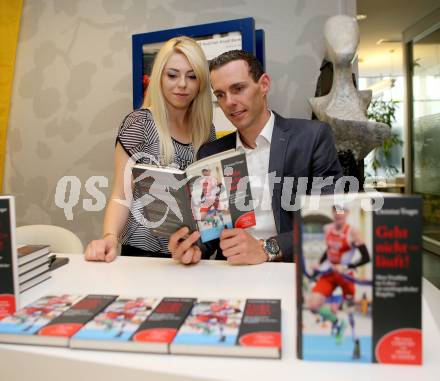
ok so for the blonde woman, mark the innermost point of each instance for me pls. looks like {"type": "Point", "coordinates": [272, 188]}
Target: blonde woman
{"type": "Point", "coordinates": [174, 121]}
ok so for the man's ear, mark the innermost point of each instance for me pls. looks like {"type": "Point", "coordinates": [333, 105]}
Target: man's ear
{"type": "Point", "coordinates": [265, 82]}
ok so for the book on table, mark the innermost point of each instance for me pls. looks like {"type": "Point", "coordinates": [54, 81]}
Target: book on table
{"type": "Point", "coordinates": [210, 195]}
{"type": "Point", "coordinates": [24, 325]}
{"type": "Point", "coordinates": [52, 320]}
{"type": "Point", "coordinates": [231, 327]}
{"type": "Point", "coordinates": [359, 266]}
{"type": "Point", "coordinates": [33, 264]}
{"type": "Point", "coordinates": [135, 325]}
{"type": "Point", "coordinates": [173, 325]}
{"type": "Point", "coordinates": [34, 281]}
{"type": "Point", "coordinates": [29, 253]}
{"type": "Point", "coordinates": [33, 272]}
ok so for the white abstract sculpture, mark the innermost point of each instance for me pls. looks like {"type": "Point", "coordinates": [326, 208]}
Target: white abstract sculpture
{"type": "Point", "coordinates": [345, 107]}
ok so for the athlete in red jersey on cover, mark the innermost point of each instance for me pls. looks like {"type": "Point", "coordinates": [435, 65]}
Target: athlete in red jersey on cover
{"type": "Point", "coordinates": [336, 268]}
{"type": "Point", "coordinates": [210, 196]}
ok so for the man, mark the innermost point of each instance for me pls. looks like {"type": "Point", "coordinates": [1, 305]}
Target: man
{"type": "Point", "coordinates": [336, 270]}
{"type": "Point", "coordinates": [286, 148]}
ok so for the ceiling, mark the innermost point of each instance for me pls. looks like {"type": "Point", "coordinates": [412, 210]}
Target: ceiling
{"type": "Point", "coordinates": [387, 19]}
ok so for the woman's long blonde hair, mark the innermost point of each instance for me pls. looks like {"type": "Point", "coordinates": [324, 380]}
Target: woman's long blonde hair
{"type": "Point", "coordinates": [200, 110]}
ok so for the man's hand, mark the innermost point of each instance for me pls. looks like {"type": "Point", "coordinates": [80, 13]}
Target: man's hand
{"type": "Point", "coordinates": [104, 250]}
{"type": "Point", "coordinates": [183, 248]}
{"type": "Point", "coordinates": [240, 248]}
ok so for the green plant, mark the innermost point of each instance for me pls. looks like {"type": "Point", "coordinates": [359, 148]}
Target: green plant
{"type": "Point", "coordinates": [384, 112]}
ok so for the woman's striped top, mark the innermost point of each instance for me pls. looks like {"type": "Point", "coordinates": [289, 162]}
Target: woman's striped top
{"type": "Point", "coordinates": [139, 138]}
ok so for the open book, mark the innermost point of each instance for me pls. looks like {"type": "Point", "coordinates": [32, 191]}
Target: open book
{"type": "Point", "coordinates": [210, 195]}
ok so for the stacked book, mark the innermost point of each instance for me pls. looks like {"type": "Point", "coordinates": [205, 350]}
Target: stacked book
{"type": "Point", "coordinates": [208, 326]}
{"type": "Point", "coordinates": [33, 265]}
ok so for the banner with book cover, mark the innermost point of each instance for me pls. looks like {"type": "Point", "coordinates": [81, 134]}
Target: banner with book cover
{"type": "Point", "coordinates": [359, 279]}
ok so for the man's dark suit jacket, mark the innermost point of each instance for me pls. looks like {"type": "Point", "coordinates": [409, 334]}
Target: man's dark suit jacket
{"type": "Point", "coordinates": [299, 148]}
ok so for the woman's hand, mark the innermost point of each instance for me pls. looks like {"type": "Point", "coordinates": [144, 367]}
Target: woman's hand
{"type": "Point", "coordinates": [105, 249]}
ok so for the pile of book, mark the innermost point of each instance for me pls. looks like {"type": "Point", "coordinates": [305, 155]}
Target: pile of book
{"type": "Point", "coordinates": [224, 327]}
{"type": "Point", "coordinates": [33, 265]}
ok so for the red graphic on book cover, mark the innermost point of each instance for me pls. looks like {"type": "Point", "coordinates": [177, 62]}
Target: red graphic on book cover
{"type": "Point", "coordinates": [155, 335]}
{"type": "Point", "coordinates": [246, 220]}
{"type": "Point", "coordinates": [62, 329]}
{"type": "Point", "coordinates": [7, 305]}
{"type": "Point", "coordinates": [401, 346]}
{"type": "Point", "coordinates": [261, 339]}
{"type": "Point", "coordinates": [3, 237]}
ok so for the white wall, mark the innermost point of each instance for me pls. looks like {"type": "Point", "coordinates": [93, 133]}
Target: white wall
{"type": "Point", "coordinates": [72, 85]}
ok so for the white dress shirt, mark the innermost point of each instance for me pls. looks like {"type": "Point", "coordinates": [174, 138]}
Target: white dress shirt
{"type": "Point", "coordinates": [258, 167]}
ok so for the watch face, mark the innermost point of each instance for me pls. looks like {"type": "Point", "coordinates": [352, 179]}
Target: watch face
{"type": "Point", "coordinates": [272, 246]}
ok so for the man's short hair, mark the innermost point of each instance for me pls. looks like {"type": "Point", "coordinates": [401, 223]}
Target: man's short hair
{"type": "Point", "coordinates": [255, 67]}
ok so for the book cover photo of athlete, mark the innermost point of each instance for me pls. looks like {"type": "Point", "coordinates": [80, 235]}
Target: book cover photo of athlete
{"type": "Point", "coordinates": [336, 277]}
{"type": "Point", "coordinates": [209, 202]}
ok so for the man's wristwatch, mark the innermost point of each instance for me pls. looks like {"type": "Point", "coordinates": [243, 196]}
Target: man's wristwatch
{"type": "Point", "coordinates": [272, 249]}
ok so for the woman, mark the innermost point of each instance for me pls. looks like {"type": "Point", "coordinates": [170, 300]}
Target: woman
{"type": "Point", "coordinates": [174, 121]}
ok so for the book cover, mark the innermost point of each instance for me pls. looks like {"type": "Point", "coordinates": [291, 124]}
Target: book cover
{"type": "Point", "coordinates": [358, 266]}
{"type": "Point", "coordinates": [260, 329]}
{"type": "Point", "coordinates": [23, 326]}
{"type": "Point", "coordinates": [397, 245]}
{"type": "Point", "coordinates": [59, 330]}
{"type": "Point", "coordinates": [221, 195]}
{"type": "Point", "coordinates": [231, 327]}
{"type": "Point", "coordinates": [8, 258]}
{"type": "Point", "coordinates": [113, 328]}
{"type": "Point", "coordinates": [212, 326]}
{"type": "Point", "coordinates": [212, 194]}
{"type": "Point", "coordinates": [29, 253]}
{"type": "Point", "coordinates": [157, 332]}
{"type": "Point", "coordinates": [52, 320]}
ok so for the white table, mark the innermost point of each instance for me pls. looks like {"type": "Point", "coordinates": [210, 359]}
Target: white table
{"type": "Point", "coordinates": [163, 277]}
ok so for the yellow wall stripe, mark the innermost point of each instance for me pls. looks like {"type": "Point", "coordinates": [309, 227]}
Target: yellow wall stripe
{"type": "Point", "coordinates": [10, 13]}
